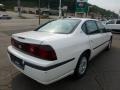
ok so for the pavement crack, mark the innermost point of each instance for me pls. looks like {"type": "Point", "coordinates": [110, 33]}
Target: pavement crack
{"type": "Point", "coordinates": [99, 84]}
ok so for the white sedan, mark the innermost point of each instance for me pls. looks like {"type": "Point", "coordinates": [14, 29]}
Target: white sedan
{"type": "Point", "coordinates": [114, 25]}
{"type": "Point", "coordinates": [5, 16]}
{"type": "Point", "coordinates": [58, 48]}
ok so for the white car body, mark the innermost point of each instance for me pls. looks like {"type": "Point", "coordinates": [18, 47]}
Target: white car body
{"type": "Point", "coordinates": [114, 25]}
{"type": "Point", "coordinates": [5, 16]}
{"type": "Point", "coordinates": [68, 48]}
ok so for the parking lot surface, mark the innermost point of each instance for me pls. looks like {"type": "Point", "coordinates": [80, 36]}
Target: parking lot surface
{"type": "Point", "coordinates": [103, 71]}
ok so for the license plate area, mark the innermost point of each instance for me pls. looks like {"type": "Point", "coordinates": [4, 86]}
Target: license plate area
{"type": "Point", "coordinates": [18, 62]}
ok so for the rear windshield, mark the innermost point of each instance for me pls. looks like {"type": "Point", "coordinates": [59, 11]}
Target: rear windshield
{"type": "Point", "coordinates": [62, 26]}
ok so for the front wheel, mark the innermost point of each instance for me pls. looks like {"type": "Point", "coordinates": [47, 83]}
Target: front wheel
{"type": "Point", "coordinates": [81, 67]}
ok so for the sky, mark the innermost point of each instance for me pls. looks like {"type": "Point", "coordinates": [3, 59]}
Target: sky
{"type": "Point", "coordinates": [113, 5]}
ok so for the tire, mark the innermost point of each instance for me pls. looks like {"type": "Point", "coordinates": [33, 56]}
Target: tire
{"type": "Point", "coordinates": [81, 67]}
{"type": "Point", "coordinates": [109, 45]}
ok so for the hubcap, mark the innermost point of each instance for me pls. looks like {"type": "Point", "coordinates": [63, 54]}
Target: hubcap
{"type": "Point", "coordinates": [83, 65]}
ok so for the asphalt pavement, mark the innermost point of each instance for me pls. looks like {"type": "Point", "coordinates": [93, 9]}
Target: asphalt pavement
{"type": "Point", "coordinates": [103, 74]}
{"type": "Point", "coordinates": [103, 71]}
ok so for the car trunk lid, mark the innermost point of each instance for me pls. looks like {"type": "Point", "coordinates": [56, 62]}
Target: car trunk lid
{"type": "Point", "coordinates": [35, 37]}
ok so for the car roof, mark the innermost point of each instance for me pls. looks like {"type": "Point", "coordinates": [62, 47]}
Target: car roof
{"type": "Point", "coordinates": [83, 19]}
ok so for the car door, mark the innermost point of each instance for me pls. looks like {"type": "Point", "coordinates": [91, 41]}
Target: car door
{"type": "Point", "coordinates": [95, 37]}
{"type": "Point", "coordinates": [104, 34]}
{"type": "Point", "coordinates": [103, 31]}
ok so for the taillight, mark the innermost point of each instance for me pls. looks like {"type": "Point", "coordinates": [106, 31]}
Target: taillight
{"type": "Point", "coordinates": [31, 49]}
{"type": "Point", "coordinates": [41, 51]}
{"type": "Point", "coordinates": [47, 52]}
{"type": "Point", "coordinates": [12, 42]}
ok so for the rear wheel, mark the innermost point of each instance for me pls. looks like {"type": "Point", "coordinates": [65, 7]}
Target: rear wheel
{"type": "Point", "coordinates": [109, 45]}
{"type": "Point", "coordinates": [81, 67]}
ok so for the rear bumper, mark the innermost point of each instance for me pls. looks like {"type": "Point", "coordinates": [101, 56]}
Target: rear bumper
{"type": "Point", "coordinates": [41, 72]}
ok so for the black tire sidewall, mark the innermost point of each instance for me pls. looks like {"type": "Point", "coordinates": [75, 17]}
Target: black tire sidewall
{"type": "Point", "coordinates": [76, 72]}
{"type": "Point", "coordinates": [110, 43]}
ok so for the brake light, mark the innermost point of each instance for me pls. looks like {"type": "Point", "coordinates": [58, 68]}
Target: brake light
{"type": "Point", "coordinates": [41, 51]}
{"type": "Point", "coordinates": [30, 49]}
{"type": "Point", "coordinates": [47, 52]}
{"type": "Point", "coordinates": [12, 42]}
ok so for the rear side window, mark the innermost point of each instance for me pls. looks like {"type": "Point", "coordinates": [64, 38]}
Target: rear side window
{"type": "Point", "coordinates": [84, 29]}
{"type": "Point", "coordinates": [118, 22]}
{"type": "Point", "coordinates": [92, 27]}
{"type": "Point", "coordinates": [100, 27]}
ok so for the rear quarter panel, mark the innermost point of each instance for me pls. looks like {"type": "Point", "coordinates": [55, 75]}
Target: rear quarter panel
{"type": "Point", "coordinates": [71, 46]}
